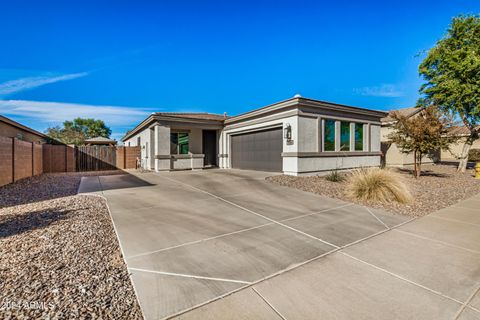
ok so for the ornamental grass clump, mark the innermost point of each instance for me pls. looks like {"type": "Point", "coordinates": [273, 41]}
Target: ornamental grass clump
{"type": "Point", "coordinates": [334, 176]}
{"type": "Point", "coordinates": [379, 185]}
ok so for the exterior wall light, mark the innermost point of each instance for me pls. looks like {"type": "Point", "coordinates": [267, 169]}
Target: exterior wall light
{"type": "Point", "coordinates": [287, 132]}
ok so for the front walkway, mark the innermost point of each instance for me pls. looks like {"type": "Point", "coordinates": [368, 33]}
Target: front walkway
{"type": "Point", "coordinates": [226, 244]}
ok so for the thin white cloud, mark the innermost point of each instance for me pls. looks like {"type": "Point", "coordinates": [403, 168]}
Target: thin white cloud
{"type": "Point", "coordinates": [53, 113]}
{"type": "Point", "coordinates": [22, 84]}
{"type": "Point", "coordinates": [384, 90]}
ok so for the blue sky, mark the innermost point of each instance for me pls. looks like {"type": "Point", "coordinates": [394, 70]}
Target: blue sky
{"type": "Point", "coordinates": [120, 60]}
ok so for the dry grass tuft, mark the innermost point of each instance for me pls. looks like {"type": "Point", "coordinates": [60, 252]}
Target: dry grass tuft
{"type": "Point", "coordinates": [379, 185]}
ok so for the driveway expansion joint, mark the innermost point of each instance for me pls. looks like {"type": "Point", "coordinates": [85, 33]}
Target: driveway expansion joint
{"type": "Point", "coordinates": [316, 212]}
{"type": "Point", "coordinates": [269, 304]}
{"type": "Point", "coordinates": [466, 303]}
{"type": "Point", "coordinates": [379, 220]}
{"type": "Point", "coordinates": [199, 241]}
{"type": "Point", "coordinates": [402, 278]}
{"type": "Point", "coordinates": [255, 213]}
{"type": "Point", "coordinates": [290, 268]}
{"type": "Point", "coordinates": [189, 276]}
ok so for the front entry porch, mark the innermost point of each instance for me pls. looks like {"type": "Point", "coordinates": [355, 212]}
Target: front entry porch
{"type": "Point", "coordinates": [183, 146]}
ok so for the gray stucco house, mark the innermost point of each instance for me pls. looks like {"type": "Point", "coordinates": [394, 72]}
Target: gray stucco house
{"type": "Point", "coordinates": [298, 136]}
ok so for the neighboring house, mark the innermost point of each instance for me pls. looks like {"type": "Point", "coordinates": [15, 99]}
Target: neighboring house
{"type": "Point", "coordinates": [297, 136]}
{"type": "Point", "coordinates": [100, 141]}
{"type": "Point", "coordinates": [392, 155]}
{"type": "Point", "coordinates": [456, 148]}
{"type": "Point", "coordinates": [13, 129]}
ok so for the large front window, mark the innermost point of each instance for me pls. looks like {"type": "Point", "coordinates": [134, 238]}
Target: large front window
{"type": "Point", "coordinates": [329, 134]}
{"type": "Point", "coordinates": [179, 143]}
{"type": "Point", "coordinates": [340, 135]}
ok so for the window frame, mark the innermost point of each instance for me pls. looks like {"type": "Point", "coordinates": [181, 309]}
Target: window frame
{"type": "Point", "coordinates": [362, 126]}
{"type": "Point", "coordinates": [349, 136]}
{"type": "Point", "coordinates": [324, 122]}
{"type": "Point", "coordinates": [350, 146]}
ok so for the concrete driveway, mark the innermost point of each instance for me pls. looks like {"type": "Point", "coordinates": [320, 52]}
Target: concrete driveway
{"type": "Point", "coordinates": [271, 252]}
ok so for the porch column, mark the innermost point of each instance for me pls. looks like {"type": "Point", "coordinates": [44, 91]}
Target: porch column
{"type": "Point", "coordinates": [162, 148]}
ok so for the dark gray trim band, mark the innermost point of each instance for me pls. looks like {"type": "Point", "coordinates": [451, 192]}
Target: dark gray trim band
{"type": "Point", "coordinates": [180, 156]}
{"type": "Point", "coordinates": [330, 154]}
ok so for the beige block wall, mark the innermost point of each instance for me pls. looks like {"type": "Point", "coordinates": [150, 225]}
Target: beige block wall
{"type": "Point", "coordinates": [456, 150]}
{"type": "Point", "coordinates": [393, 155]}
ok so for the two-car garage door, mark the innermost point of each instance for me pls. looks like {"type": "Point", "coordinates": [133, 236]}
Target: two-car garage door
{"type": "Point", "coordinates": [259, 150]}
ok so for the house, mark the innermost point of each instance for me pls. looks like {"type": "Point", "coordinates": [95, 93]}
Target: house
{"type": "Point", "coordinates": [392, 155]}
{"type": "Point", "coordinates": [100, 141]}
{"type": "Point", "coordinates": [298, 136]}
{"type": "Point", "coordinates": [13, 129]}
{"type": "Point", "coordinates": [456, 148]}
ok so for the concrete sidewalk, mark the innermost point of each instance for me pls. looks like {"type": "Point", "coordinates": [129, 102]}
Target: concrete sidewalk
{"type": "Point", "coordinates": [426, 269]}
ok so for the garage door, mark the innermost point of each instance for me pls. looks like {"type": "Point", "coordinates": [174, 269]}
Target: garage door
{"type": "Point", "coordinates": [259, 150]}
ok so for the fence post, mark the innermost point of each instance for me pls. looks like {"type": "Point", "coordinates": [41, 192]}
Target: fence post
{"type": "Point", "coordinates": [66, 158]}
{"type": "Point", "coordinates": [13, 159]}
{"type": "Point", "coordinates": [124, 158]}
{"type": "Point", "coordinates": [33, 159]}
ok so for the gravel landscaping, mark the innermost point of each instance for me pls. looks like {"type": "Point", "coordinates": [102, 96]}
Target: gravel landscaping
{"type": "Point", "coordinates": [439, 186]}
{"type": "Point", "coordinates": [59, 257]}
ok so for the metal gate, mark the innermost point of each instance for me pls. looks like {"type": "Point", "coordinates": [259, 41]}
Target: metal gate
{"type": "Point", "coordinates": [259, 150]}
{"type": "Point", "coordinates": [95, 158]}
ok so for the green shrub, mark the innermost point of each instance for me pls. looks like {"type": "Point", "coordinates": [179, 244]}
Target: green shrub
{"type": "Point", "coordinates": [334, 176]}
{"type": "Point", "coordinates": [380, 185]}
{"type": "Point", "coordinates": [474, 155]}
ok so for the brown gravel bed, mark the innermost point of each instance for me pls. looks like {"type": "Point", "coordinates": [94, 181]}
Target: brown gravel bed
{"type": "Point", "coordinates": [60, 258]}
{"type": "Point", "coordinates": [440, 186]}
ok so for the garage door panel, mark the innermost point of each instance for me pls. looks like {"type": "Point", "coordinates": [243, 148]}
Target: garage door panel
{"type": "Point", "coordinates": [260, 150]}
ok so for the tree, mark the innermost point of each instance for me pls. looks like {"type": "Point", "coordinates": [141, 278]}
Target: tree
{"type": "Point", "coordinates": [77, 131]}
{"type": "Point", "coordinates": [421, 134]}
{"type": "Point", "coordinates": [452, 73]}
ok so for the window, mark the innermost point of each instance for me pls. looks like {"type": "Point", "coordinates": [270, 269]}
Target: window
{"type": "Point", "coordinates": [138, 141]}
{"type": "Point", "coordinates": [358, 136]}
{"type": "Point", "coordinates": [179, 143]}
{"type": "Point", "coordinates": [351, 135]}
{"type": "Point", "coordinates": [344, 136]}
{"type": "Point", "coordinates": [329, 135]}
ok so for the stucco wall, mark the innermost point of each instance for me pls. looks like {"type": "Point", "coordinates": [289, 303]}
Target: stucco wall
{"type": "Point", "coordinates": [7, 130]}
{"type": "Point", "coordinates": [307, 138]}
{"type": "Point", "coordinates": [393, 155]}
{"type": "Point", "coordinates": [308, 134]}
{"type": "Point", "coordinates": [456, 150]}
{"type": "Point", "coordinates": [323, 165]}
{"type": "Point", "coordinates": [155, 141]}
{"type": "Point", "coordinates": [249, 126]}
{"type": "Point", "coordinates": [145, 145]}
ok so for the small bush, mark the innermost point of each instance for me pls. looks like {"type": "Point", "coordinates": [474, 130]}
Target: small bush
{"type": "Point", "coordinates": [334, 176]}
{"type": "Point", "coordinates": [377, 185]}
{"type": "Point", "coordinates": [474, 155]}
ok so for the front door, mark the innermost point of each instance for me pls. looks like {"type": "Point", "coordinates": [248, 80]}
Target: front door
{"type": "Point", "coordinates": [210, 147]}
